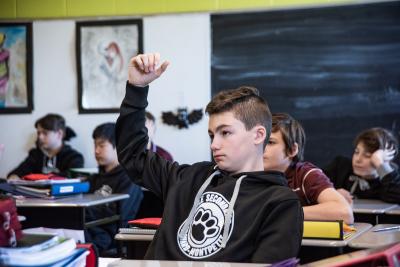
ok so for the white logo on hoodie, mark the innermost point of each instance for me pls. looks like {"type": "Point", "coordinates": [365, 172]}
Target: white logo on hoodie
{"type": "Point", "coordinates": [204, 235]}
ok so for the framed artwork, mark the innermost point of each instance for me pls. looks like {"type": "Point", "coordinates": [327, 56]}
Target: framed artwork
{"type": "Point", "coordinates": [16, 68]}
{"type": "Point", "coordinates": [104, 49]}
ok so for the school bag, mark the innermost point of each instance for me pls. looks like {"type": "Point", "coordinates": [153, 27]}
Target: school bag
{"type": "Point", "coordinates": [10, 227]}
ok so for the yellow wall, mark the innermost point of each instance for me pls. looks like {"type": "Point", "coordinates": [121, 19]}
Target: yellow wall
{"type": "Point", "coordinates": [51, 9]}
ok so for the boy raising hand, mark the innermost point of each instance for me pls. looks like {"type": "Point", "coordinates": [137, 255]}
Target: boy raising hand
{"type": "Point", "coordinates": [230, 210]}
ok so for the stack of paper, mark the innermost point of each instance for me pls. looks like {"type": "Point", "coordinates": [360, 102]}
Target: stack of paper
{"type": "Point", "coordinates": [43, 250]}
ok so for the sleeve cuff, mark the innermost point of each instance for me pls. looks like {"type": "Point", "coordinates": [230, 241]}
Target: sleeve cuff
{"type": "Point", "coordinates": [384, 169]}
{"type": "Point", "coordinates": [136, 96]}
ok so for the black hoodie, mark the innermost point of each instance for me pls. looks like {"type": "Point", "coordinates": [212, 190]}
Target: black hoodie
{"type": "Point", "coordinates": [116, 181]}
{"type": "Point", "coordinates": [208, 213]}
{"type": "Point", "coordinates": [64, 160]}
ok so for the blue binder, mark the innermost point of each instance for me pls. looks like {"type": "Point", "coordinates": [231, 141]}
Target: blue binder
{"type": "Point", "coordinates": [67, 189]}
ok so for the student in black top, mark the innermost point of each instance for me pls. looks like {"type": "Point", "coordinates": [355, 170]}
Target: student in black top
{"type": "Point", "coordinates": [371, 172]}
{"type": "Point", "coordinates": [51, 154]}
{"type": "Point", "coordinates": [111, 179]}
{"type": "Point", "coordinates": [230, 210]}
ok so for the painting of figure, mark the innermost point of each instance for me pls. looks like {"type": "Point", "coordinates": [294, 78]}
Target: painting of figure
{"type": "Point", "coordinates": [103, 50]}
{"type": "Point", "coordinates": [15, 68]}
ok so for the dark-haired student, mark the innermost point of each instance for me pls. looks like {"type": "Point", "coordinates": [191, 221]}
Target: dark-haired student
{"type": "Point", "coordinates": [52, 154]}
{"type": "Point", "coordinates": [111, 179]}
{"type": "Point", "coordinates": [371, 173]}
{"type": "Point", "coordinates": [230, 210]}
{"type": "Point", "coordinates": [284, 153]}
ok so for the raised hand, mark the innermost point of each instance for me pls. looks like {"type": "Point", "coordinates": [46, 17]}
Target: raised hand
{"type": "Point", "coordinates": [143, 69]}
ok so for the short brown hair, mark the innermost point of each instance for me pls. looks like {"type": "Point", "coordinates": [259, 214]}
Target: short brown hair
{"type": "Point", "coordinates": [292, 132]}
{"type": "Point", "coordinates": [246, 105]}
{"type": "Point", "coordinates": [377, 138]}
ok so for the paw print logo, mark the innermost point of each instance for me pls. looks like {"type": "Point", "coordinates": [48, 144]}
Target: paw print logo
{"type": "Point", "coordinates": [205, 225]}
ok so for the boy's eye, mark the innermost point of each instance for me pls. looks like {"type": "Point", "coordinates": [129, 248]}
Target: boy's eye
{"type": "Point", "coordinates": [225, 133]}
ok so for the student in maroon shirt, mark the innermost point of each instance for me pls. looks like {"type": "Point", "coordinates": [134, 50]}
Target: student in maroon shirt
{"type": "Point", "coordinates": [284, 153]}
{"type": "Point", "coordinates": [151, 128]}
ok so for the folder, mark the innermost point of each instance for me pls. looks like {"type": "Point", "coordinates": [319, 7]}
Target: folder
{"type": "Point", "coordinates": [323, 230]}
{"type": "Point", "coordinates": [55, 190]}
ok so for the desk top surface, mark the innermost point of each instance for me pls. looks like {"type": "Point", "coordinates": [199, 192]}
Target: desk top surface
{"type": "Point", "coordinates": [361, 228]}
{"type": "Point", "coordinates": [395, 211]}
{"type": "Point", "coordinates": [147, 263]}
{"type": "Point", "coordinates": [371, 239]}
{"type": "Point", "coordinates": [82, 200]}
{"type": "Point", "coordinates": [372, 206]}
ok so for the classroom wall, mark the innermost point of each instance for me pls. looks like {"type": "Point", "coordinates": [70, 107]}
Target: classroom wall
{"type": "Point", "coordinates": [182, 39]}
{"type": "Point", "coordinates": [41, 9]}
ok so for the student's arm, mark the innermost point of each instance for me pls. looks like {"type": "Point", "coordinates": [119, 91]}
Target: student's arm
{"type": "Point", "coordinates": [331, 206]}
{"type": "Point", "coordinates": [389, 176]}
{"type": "Point", "coordinates": [143, 167]}
{"type": "Point", "coordinates": [338, 171]}
{"type": "Point", "coordinates": [31, 164]}
{"type": "Point", "coordinates": [281, 233]}
{"type": "Point", "coordinates": [346, 194]}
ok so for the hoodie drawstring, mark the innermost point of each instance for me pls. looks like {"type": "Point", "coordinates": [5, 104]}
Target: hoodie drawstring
{"type": "Point", "coordinates": [229, 212]}
{"type": "Point", "coordinates": [196, 202]}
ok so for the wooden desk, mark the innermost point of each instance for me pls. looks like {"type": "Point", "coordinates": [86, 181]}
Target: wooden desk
{"type": "Point", "coordinates": [371, 239]}
{"type": "Point", "coordinates": [68, 212]}
{"type": "Point", "coordinates": [147, 263]}
{"type": "Point", "coordinates": [369, 210]}
{"type": "Point", "coordinates": [317, 249]}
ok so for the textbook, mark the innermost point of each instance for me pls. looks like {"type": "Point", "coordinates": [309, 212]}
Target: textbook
{"type": "Point", "coordinates": [55, 190]}
{"type": "Point", "coordinates": [137, 230]}
{"type": "Point", "coordinates": [45, 253]}
{"type": "Point", "coordinates": [333, 230]}
{"type": "Point", "coordinates": [43, 183]}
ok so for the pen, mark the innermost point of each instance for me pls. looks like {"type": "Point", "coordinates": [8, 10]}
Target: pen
{"type": "Point", "coordinates": [387, 228]}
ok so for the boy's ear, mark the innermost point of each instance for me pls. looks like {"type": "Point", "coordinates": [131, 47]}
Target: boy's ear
{"type": "Point", "coordinates": [260, 134]}
{"type": "Point", "coordinates": [294, 151]}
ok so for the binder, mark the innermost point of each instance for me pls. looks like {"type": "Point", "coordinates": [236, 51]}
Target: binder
{"type": "Point", "coordinates": [332, 230]}
{"type": "Point", "coordinates": [72, 188]}
{"type": "Point", "coordinates": [55, 190]}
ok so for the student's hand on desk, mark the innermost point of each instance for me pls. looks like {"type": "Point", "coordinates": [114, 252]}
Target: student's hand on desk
{"type": "Point", "coordinates": [346, 194]}
{"type": "Point", "coordinates": [143, 69]}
